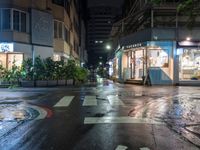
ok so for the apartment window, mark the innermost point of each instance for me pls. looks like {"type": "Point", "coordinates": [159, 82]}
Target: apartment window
{"type": "Point", "coordinates": [0, 18]}
{"type": "Point", "coordinates": [6, 19]}
{"type": "Point", "coordinates": [55, 29]}
{"type": "Point", "coordinates": [23, 22]}
{"type": "Point", "coordinates": [17, 23]}
{"type": "Point", "coordinates": [66, 35]}
{"type": "Point", "coordinates": [58, 29]}
{"type": "Point", "coordinates": [16, 20]}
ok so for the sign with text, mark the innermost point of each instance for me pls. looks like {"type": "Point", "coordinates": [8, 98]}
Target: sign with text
{"type": "Point", "coordinates": [6, 47]}
{"type": "Point", "coordinates": [41, 28]}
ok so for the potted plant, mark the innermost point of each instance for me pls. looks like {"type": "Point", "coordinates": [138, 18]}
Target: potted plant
{"type": "Point", "coordinates": [3, 74]}
{"type": "Point", "coordinates": [60, 72]}
{"type": "Point", "coordinates": [40, 72]}
{"type": "Point", "coordinates": [70, 72]}
{"type": "Point", "coordinates": [50, 67]}
{"type": "Point", "coordinates": [27, 73]}
{"type": "Point", "coordinates": [81, 75]}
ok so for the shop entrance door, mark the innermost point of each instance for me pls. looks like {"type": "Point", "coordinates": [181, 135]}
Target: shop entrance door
{"type": "Point", "coordinates": [139, 64]}
{"type": "Point", "coordinates": [132, 64]}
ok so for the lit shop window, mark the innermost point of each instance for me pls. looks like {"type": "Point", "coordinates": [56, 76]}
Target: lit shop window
{"type": "Point", "coordinates": [3, 59]}
{"type": "Point", "coordinates": [189, 64]}
{"type": "Point", "coordinates": [15, 59]}
{"type": "Point", "coordinates": [158, 58]}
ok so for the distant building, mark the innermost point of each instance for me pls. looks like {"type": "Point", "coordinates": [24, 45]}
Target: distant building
{"type": "Point", "coordinates": [100, 20]}
{"type": "Point", "coordinates": [45, 28]}
{"type": "Point", "coordinates": [155, 40]}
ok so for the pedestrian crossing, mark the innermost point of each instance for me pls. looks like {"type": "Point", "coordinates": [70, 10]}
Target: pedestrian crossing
{"type": "Point", "coordinates": [64, 102]}
{"type": "Point", "coordinates": [114, 100]}
{"type": "Point", "coordinates": [119, 120]}
{"type": "Point", "coordinates": [89, 100]}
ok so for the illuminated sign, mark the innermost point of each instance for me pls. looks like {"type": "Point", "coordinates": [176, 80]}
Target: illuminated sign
{"type": "Point", "coordinates": [135, 45]}
{"type": "Point", "coordinates": [6, 47]}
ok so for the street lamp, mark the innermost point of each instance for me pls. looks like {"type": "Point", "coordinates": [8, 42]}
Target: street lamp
{"type": "Point", "coordinates": [108, 47]}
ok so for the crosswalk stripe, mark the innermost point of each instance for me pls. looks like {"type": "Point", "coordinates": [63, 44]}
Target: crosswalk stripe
{"type": "Point", "coordinates": [114, 100]}
{"type": "Point", "coordinates": [121, 147]}
{"type": "Point", "coordinates": [64, 102]}
{"type": "Point", "coordinates": [110, 119]}
{"type": "Point", "coordinates": [144, 148]}
{"type": "Point", "coordinates": [90, 101]}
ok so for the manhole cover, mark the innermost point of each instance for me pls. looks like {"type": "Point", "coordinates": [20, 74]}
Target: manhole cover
{"type": "Point", "coordinates": [21, 112]}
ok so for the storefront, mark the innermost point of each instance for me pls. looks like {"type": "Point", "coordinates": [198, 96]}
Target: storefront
{"type": "Point", "coordinates": [154, 56]}
{"type": "Point", "coordinates": [136, 63]}
{"type": "Point", "coordinates": [189, 62]}
{"type": "Point", "coordinates": [8, 57]}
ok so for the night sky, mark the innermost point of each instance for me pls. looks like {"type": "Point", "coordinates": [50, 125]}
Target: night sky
{"type": "Point", "coordinates": [116, 3]}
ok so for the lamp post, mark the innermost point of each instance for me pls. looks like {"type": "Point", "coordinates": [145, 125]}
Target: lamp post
{"type": "Point", "coordinates": [108, 47]}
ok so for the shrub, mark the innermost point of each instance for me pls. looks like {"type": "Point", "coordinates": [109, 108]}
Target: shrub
{"type": "Point", "coordinates": [27, 70]}
{"type": "Point", "coordinates": [81, 74]}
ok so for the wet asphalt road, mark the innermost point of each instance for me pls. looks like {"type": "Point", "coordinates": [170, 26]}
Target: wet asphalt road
{"type": "Point", "coordinates": [114, 117]}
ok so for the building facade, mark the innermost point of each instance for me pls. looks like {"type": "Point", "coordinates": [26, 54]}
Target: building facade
{"type": "Point", "coordinates": [45, 28]}
{"type": "Point", "coordinates": [160, 45]}
{"type": "Point", "coordinates": [99, 27]}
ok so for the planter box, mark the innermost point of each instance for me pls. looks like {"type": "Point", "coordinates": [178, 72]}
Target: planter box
{"type": "Point", "coordinates": [4, 84]}
{"type": "Point", "coordinates": [41, 83]}
{"type": "Point", "coordinates": [61, 82]}
{"type": "Point", "coordinates": [52, 82]}
{"type": "Point", "coordinates": [25, 83]}
{"type": "Point", "coordinates": [70, 82]}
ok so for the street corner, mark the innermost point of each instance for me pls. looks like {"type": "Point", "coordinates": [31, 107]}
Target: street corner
{"type": "Point", "coordinates": [19, 111]}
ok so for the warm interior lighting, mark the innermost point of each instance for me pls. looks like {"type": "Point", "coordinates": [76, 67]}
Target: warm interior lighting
{"type": "Point", "coordinates": [188, 38]}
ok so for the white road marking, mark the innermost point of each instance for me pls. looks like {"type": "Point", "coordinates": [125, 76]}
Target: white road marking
{"type": "Point", "coordinates": [144, 148]}
{"type": "Point", "coordinates": [114, 100]}
{"type": "Point", "coordinates": [121, 147]}
{"type": "Point", "coordinates": [110, 119]}
{"type": "Point", "coordinates": [90, 101]}
{"type": "Point", "coordinates": [138, 94]}
{"type": "Point", "coordinates": [64, 102]}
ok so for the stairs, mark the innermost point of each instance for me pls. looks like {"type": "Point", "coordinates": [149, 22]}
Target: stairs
{"type": "Point", "coordinates": [133, 81]}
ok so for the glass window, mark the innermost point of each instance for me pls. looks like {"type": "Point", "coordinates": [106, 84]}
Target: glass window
{"type": "Point", "coordinates": [3, 59]}
{"type": "Point", "coordinates": [158, 58]}
{"type": "Point", "coordinates": [0, 19]}
{"type": "Point", "coordinates": [16, 20]}
{"type": "Point", "coordinates": [66, 35]}
{"type": "Point", "coordinates": [55, 29]}
{"type": "Point", "coordinates": [139, 64]}
{"type": "Point", "coordinates": [16, 59]}
{"type": "Point", "coordinates": [189, 64]}
{"type": "Point", "coordinates": [5, 19]}
{"type": "Point", "coordinates": [60, 30]}
{"type": "Point", "coordinates": [23, 22]}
